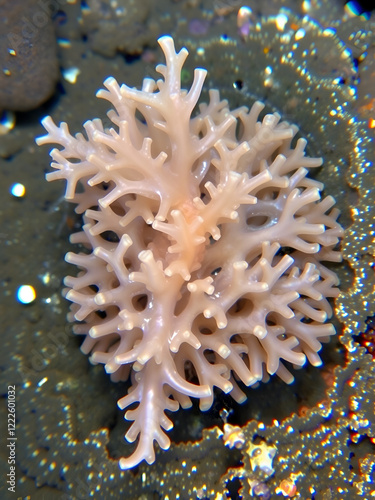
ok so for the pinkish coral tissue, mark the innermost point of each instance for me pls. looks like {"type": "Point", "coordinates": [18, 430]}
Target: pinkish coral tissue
{"type": "Point", "coordinates": [202, 247]}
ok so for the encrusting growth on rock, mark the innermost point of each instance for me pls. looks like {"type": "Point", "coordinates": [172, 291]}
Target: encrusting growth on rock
{"type": "Point", "coordinates": [202, 246]}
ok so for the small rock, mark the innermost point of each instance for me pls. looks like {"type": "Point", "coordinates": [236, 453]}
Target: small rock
{"type": "Point", "coordinates": [28, 54]}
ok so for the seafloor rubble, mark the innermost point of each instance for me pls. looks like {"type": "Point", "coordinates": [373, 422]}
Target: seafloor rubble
{"type": "Point", "coordinates": [68, 434]}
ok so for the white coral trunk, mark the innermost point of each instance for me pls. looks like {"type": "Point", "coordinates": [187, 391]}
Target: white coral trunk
{"type": "Point", "coordinates": [204, 245]}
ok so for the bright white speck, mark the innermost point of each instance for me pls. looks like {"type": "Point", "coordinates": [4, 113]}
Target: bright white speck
{"type": "Point", "coordinates": [329, 32]}
{"type": "Point", "coordinates": [71, 74]}
{"type": "Point", "coordinates": [306, 6]}
{"type": "Point", "coordinates": [18, 190]}
{"type": "Point", "coordinates": [281, 20]}
{"type": "Point", "coordinates": [26, 294]}
{"type": "Point", "coordinates": [45, 278]}
{"type": "Point", "coordinates": [7, 122]}
{"type": "Point", "coordinates": [300, 34]}
{"type": "Point", "coordinates": [244, 20]}
{"type": "Point", "coordinates": [43, 381]}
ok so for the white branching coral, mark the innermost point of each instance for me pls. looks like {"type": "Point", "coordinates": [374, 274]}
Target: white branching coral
{"type": "Point", "coordinates": [202, 246]}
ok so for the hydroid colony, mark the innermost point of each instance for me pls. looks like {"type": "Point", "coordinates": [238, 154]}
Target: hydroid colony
{"type": "Point", "coordinates": [202, 250]}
